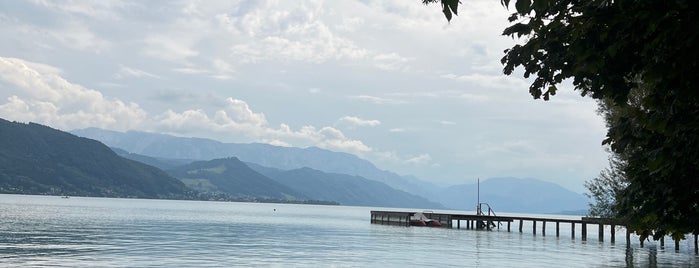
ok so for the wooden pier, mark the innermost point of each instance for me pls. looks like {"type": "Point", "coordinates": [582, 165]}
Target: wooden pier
{"type": "Point", "coordinates": [489, 222]}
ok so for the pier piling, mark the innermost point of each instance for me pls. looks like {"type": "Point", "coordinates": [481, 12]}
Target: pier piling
{"type": "Point", "coordinates": [520, 226]}
{"type": "Point", "coordinates": [534, 227]}
{"type": "Point", "coordinates": [543, 228]}
{"type": "Point", "coordinates": [558, 229]}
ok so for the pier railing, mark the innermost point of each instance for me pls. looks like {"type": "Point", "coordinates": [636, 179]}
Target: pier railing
{"type": "Point", "coordinates": [486, 224]}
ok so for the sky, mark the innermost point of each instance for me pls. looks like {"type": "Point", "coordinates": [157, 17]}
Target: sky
{"type": "Point", "coordinates": [390, 81]}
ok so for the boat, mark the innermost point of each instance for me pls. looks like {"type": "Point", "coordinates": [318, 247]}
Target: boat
{"type": "Point", "coordinates": [419, 219]}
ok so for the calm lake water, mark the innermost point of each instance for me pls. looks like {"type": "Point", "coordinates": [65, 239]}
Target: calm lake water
{"type": "Point", "coordinates": [50, 231]}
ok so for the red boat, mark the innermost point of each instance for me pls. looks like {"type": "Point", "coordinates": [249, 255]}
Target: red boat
{"type": "Point", "coordinates": [419, 219]}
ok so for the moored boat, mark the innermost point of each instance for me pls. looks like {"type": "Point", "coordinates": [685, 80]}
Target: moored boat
{"type": "Point", "coordinates": [419, 219]}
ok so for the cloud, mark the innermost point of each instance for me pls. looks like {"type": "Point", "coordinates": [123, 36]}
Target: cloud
{"type": "Point", "coordinates": [500, 81]}
{"type": "Point", "coordinates": [222, 69]}
{"type": "Point", "coordinates": [264, 32]}
{"type": "Point", "coordinates": [334, 139]}
{"type": "Point", "coordinates": [188, 70]}
{"type": "Point", "coordinates": [511, 147]}
{"type": "Point", "coordinates": [391, 62]}
{"type": "Point", "coordinates": [169, 48]}
{"type": "Point", "coordinates": [394, 157]}
{"type": "Point", "coordinates": [350, 24]}
{"type": "Point", "coordinates": [377, 100]}
{"type": "Point", "coordinates": [396, 130]}
{"type": "Point", "coordinates": [105, 9]}
{"type": "Point", "coordinates": [45, 97]}
{"type": "Point", "coordinates": [419, 160]}
{"type": "Point", "coordinates": [236, 118]}
{"type": "Point", "coordinates": [66, 34]}
{"type": "Point", "coordinates": [126, 72]}
{"type": "Point", "coordinates": [356, 121]}
{"type": "Point", "coordinates": [446, 122]}
{"type": "Point", "coordinates": [474, 97]}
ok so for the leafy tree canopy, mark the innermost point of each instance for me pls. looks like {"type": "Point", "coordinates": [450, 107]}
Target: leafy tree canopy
{"type": "Point", "coordinates": [607, 49]}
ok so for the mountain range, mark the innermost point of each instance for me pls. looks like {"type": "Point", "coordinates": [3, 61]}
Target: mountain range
{"type": "Point", "coordinates": [285, 158]}
{"type": "Point", "coordinates": [513, 195]}
{"type": "Point", "coordinates": [503, 194]}
{"type": "Point", "coordinates": [345, 189]}
{"type": "Point", "coordinates": [36, 159]}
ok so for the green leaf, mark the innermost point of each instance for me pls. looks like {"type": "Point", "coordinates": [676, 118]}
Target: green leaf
{"type": "Point", "coordinates": [453, 5]}
{"type": "Point", "coordinates": [505, 3]}
{"type": "Point", "coordinates": [447, 12]}
{"type": "Point", "coordinates": [523, 6]}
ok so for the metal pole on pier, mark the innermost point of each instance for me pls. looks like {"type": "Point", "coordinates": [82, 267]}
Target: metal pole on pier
{"type": "Point", "coordinates": [478, 205]}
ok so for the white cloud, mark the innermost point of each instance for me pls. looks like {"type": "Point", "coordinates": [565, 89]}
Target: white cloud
{"type": "Point", "coordinates": [356, 121]}
{"type": "Point", "coordinates": [419, 160]}
{"type": "Point", "coordinates": [77, 35]}
{"type": "Point", "coordinates": [169, 48]}
{"type": "Point", "coordinates": [241, 112]}
{"type": "Point", "coordinates": [490, 81]}
{"type": "Point", "coordinates": [222, 69]}
{"type": "Point", "coordinates": [396, 130]}
{"type": "Point", "coordinates": [447, 123]}
{"type": "Point", "coordinates": [351, 24]}
{"type": "Point", "coordinates": [412, 160]}
{"type": "Point", "coordinates": [103, 9]}
{"type": "Point", "coordinates": [391, 61]}
{"type": "Point", "coordinates": [377, 100]}
{"type": "Point", "coordinates": [511, 147]}
{"type": "Point", "coordinates": [127, 72]}
{"type": "Point", "coordinates": [474, 97]}
{"type": "Point", "coordinates": [277, 143]}
{"type": "Point", "coordinates": [187, 70]}
{"type": "Point", "coordinates": [335, 140]}
{"type": "Point", "coordinates": [238, 118]}
{"type": "Point", "coordinates": [47, 98]}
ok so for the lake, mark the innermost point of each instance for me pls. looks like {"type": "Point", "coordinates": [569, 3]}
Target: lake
{"type": "Point", "coordinates": [50, 231]}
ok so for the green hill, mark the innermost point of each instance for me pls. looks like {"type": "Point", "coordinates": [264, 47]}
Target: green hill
{"type": "Point", "coordinates": [234, 178]}
{"type": "Point", "coordinates": [345, 189]}
{"type": "Point", "coordinates": [36, 159]}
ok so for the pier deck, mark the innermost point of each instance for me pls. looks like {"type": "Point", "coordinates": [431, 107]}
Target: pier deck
{"type": "Point", "coordinates": [489, 222]}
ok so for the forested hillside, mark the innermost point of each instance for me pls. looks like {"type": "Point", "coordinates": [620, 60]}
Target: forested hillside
{"type": "Point", "coordinates": [36, 159]}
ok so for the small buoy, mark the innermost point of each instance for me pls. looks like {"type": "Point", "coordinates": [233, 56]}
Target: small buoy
{"type": "Point", "coordinates": [275, 209]}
